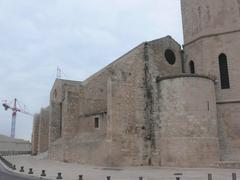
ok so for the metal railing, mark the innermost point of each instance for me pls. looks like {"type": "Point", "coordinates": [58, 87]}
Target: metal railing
{"type": "Point", "coordinates": [11, 153]}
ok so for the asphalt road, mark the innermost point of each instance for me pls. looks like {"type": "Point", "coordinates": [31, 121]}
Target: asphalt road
{"type": "Point", "coordinates": [7, 175]}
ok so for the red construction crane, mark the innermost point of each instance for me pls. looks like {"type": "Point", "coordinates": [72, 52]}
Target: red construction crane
{"type": "Point", "coordinates": [14, 109]}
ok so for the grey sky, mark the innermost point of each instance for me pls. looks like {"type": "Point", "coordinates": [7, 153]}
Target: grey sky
{"type": "Point", "coordinates": [79, 36]}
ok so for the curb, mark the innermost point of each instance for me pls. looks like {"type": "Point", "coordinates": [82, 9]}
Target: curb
{"type": "Point", "coordinates": [16, 173]}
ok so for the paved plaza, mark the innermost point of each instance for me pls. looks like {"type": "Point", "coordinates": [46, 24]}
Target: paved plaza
{"type": "Point", "coordinates": [71, 171]}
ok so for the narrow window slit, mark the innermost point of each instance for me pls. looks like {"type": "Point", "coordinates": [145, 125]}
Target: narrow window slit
{"type": "Point", "coordinates": [223, 68]}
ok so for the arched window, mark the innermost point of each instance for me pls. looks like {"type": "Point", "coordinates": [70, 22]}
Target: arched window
{"type": "Point", "coordinates": [192, 67]}
{"type": "Point", "coordinates": [223, 67]}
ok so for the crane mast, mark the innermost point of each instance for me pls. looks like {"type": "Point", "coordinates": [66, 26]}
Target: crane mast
{"type": "Point", "coordinates": [14, 116]}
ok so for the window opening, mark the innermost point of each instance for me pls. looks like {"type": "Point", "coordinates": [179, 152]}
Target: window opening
{"type": "Point", "coordinates": [223, 67]}
{"type": "Point", "coordinates": [96, 122]}
{"type": "Point", "coordinates": [192, 67]}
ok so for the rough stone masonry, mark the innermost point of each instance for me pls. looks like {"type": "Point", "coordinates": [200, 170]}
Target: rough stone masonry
{"type": "Point", "coordinates": [159, 104]}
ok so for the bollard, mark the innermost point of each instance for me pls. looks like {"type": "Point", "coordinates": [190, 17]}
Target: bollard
{"type": "Point", "coordinates": [14, 167]}
{"type": "Point", "coordinates": [178, 175]}
{"type": "Point", "coordinates": [108, 177]}
{"type": "Point", "coordinates": [59, 176]}
{"type": "Point", "coordinates": [209, 176]}
{"type": "Point", "coordinates": [140, 178]}
{"type": "Point", "coordinates": [21, 169]}
{"type": "Point", "coordinates": [80, 177]}
{"type": "Point", "coordinates": [43, 173]}
{"type": "Point", "coordinates": [30, 171]}
{"type": "Point", "coordinates": [234, 176]}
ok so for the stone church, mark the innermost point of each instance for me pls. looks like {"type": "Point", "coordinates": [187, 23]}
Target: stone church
{"type": "Point", "coordinates": [160, 104]}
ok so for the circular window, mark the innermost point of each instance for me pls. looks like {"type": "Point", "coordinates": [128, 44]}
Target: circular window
{"type": "Point", "coordinates": [170, 56]}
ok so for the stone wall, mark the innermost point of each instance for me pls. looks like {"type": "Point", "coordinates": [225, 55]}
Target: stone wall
{"type": "Point", "coordinates": [70, 114]}
{"type": "Point", "coordinates": [35, 134]}
{"type": "Point", "coordinates": [157, 65]}
{"type": "Point", "coordinates": [229, 125]}
{"type": "Point", "coordinates": [123, 126]}
{"type": "Point", "coordinates": [125, 109]}
{"type": "Point", "coordinates": [132, 110]}
{"type": "Point", "coordinates": [93, 104]}
{"type": "Point", "coordinates": [202, 18]}
{"type": "Point", "coordinates": [43, 130]}
{"type": "Point", "coordinates": [55, 111]}
{"type": "Point", "coordinates": [205, 53]}
{"type": "Point", "coordinates": [188, 135]}
{"type": "Point", "coordinates": [64, 99]}
{"type": "Point", "coordinates": [210, 29]}
{"type": "Point", "coordinates": [87, 123]}
{"type": "Point", "coordinates": [64, 115]}
{"type": "Point", "coordinates": [140, 109]}
{"type": "Point", "coordinates": [125, 92]}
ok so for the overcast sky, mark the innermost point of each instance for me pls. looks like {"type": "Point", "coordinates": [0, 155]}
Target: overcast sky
{"type": "Point", "coordinates": [79, 36]}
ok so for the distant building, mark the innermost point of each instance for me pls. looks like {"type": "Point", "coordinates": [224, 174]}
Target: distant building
{"type": "Point", "coordinates": [11, 146]}
{"type": "Point", "coordinates": [158, 104]}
